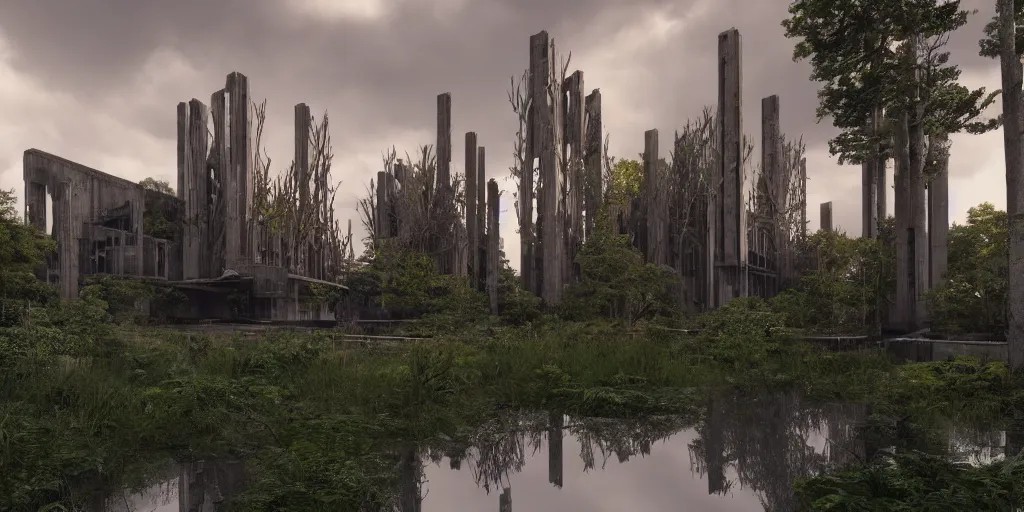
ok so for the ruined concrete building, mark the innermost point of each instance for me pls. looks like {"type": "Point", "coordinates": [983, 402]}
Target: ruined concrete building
{"type": "Point", "coordinates": [214, 246]}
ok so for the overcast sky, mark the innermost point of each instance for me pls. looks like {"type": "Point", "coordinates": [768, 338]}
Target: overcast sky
{"type": "Point", "coordinates": [98, 81]}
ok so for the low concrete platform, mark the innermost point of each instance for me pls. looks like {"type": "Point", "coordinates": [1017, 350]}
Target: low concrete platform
{"type": "Point", "coordinates": [924, 350]}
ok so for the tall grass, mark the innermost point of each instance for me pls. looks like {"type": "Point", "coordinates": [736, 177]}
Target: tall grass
{"type": "Point", "coordinates": [320, 423]}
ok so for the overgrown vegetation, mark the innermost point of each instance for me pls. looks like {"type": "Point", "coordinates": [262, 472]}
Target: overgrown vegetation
{"type": "Point", "coordinates": [91, 400]}
{"type": "Point", "coordinates": [91, 403]}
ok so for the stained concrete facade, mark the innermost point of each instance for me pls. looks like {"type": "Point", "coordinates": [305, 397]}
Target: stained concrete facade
{"type": "Point", "coordinates": [97, 222]}
{"type": "Point", "coordinates": [215, 250]}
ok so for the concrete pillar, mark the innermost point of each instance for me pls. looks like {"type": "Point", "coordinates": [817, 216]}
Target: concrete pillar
{"type": "Point", "coordinates": [481, 218]}
{"type": "Point", "coordinates": [551, 208]}
{"type": "Point", "coordinates": [771, 155]}
{"type": "Point", "coordinates": [803, 200]}
{"type": "Point", "coordinates": [573, 158]}
{"type": "Point", "coordinates": [383, 213]}
{"type": "Point", "coordinates": [223, 214]}
{"type": "Point", "coordinates": [730, 210]}
{"type": "Point", "coordinates": [555, 457]}
{"type": "Point", "coordinates": [35, 204]}
{"type": "Point", "coordinates": [654, 208]}
{"type": "Point", "coordinates": [472, 223]}
{"type": "Point", "coordinates": [826, 216]}
{"type": "Point", "coordinates": [493, 244]}
{"type": "Point", "coordinates": [444, 139]}
{"type": "Point", "coordinates": [302, 145]}
{"type": "Point", "coordinates": [868, 200]}
{"type": "Point", "coordinates": [529, 231]}
{"type": "Point", "coordinates": [67, 245]}
{"type": "Point", "coordinates": [445, 261]}
{"type": "Point", "coordinates": [505, 500]}
{"type": "Point", "coordinates": [238, 170]}
{"type": "Point", "coordinates": [938, 219]}
{"type": "Point", "coordinates": [593, 160]}
{"type": "Point", "coordinates": [193, 187]}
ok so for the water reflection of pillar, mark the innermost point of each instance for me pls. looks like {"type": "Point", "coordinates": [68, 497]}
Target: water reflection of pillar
{"type": "Point", "coordinates": [872, 438]}
{"type": "Point", "coordinates": [410, 480]}
{"type": "Point", "coordinates": [845, 445]}
{"type": "Point", "coordinates": [1014, 438]}
{"type": "Point", "coordinates": [555, 449]}
{"type": "Point", "coordinates": [204, 485]}
{"type": "Point", "coordinates": [505, 500]}
{"type": "Point", "coordinates": [781, 448]}
{"type": "Point", "coordinates": [714, 443]}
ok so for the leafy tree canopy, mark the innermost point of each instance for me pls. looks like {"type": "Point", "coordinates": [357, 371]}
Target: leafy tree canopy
{"type": "Point", "coordinates": [158, 185]}
{"type": "Point", "coordinates": [990, 44]}
{"type": "Point", "coordinates": [858, 49]}
{"type": "Point", "coordinates": [624, 181]}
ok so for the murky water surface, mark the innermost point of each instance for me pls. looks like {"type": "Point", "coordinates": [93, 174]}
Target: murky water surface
{"type": "Point", "coordinates": [742, 455]}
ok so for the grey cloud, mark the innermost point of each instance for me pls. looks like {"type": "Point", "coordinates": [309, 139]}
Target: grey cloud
{"type": "Point", "coordinates": [380, 78]}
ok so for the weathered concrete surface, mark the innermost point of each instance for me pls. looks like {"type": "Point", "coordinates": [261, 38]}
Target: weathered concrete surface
{"type": "Point", "coordinates": [446, 260]}
{"type": "Point", "coordinates": [472, 223]}
{"type": "Point", "coordinates": [868, 200]}
{"type": "Point", "coordinates": [826, 216]}
{"type": "Point", "coordinates": [193, 187]}
{"type": "Point", "coordinates": [729, 240]}
{"type": "Point", "coordinates": [574, 123]}
{"type": "Point", "coordinates": [938, 220]}
{"type": "Point", "coordinates": [774, 181]}
{"type": "Point", "coordinates": [592, 159]}
{"type": "Point", "coordinates": [493, 243]}
{"type": "Point", "coordinates": [481, 218]}
{"type": "Point", "coordinates": [86, 204]}
{"type": "Point", "coordinates": [924, 350]}
{"type": "Point", "coordinates": [655, 209]}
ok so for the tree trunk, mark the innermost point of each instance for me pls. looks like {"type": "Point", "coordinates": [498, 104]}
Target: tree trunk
{"type": "Point", "coordinates": [902, 313]}
{"type": "Point", "coordinates": [918, 235]}
{"type": "Point", "coordinates": [1014, 155]}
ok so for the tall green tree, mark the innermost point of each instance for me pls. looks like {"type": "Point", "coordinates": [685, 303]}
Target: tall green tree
{"type": "Point", "coordinates": [880, 55]}
{"type": "Point", "coordinates": [1004, 39]}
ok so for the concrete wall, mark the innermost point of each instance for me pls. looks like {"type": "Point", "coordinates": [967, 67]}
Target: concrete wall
{"type": "Point", "coordinates": [80, 195]}
{"type": "Point", "coordinates": [922, 350]}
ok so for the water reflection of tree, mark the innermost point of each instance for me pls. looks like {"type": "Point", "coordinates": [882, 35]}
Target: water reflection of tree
{"type": "Point", "coordinates": [495, 450]}
{"type": "Point", "coordinates": [765, 441]}
{"type": "Point", "coordinates": [500, 448]}
{"type": "Point", "coordinates": [622, 439]}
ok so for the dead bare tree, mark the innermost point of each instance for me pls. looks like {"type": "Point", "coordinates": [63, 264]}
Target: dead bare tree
{"type": "Point", "coordinates": [293, 225]}
{"type": "Point", "coordinates": [690, 185]}
{"type": "Point", "coordinates": [428, 220]}
{"type": "Point", "coordinates": [520, 101]}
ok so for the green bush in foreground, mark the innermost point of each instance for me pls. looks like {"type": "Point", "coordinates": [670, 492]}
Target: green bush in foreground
{"type": "Point", "coordinates": [320, 424]}
{"type": "Point", "coordinates": [915, 482]}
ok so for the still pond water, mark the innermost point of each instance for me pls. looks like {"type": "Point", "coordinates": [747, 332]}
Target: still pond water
{"type": "Point", "coordinates": [742, 455]}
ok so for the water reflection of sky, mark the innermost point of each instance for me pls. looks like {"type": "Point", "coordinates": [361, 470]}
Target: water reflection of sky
{"type": "Point", "coordinates": [662, 480]}
{"type": "Point", "coordinates": [162, 497]}
{"type": "Point", "coordinates": [758, 446]}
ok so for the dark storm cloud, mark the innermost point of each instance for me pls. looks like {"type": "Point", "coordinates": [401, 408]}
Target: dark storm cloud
{"type": "Point", "coordinates": [379, 78]}
{"type": "Point", "coordinates": [386, 73]}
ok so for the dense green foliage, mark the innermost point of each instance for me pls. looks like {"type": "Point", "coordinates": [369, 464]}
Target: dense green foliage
{"type": "Point", "coordinates": [155, 222]}
{"type": "Point", "coordinates": [320, 422]}
{"type": "Point", "coordinates": [859, 51]}
{"type": "Point", "coordinates": [846, 287]}
{"type": "Point", "coordinates": [90, 403]}
{"type": "Point", "coordinates": [918, 482]}
{"type": "Point", "coordinates": [973, 297]}
{"type": "Point", "coordinates": [23, 251]}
